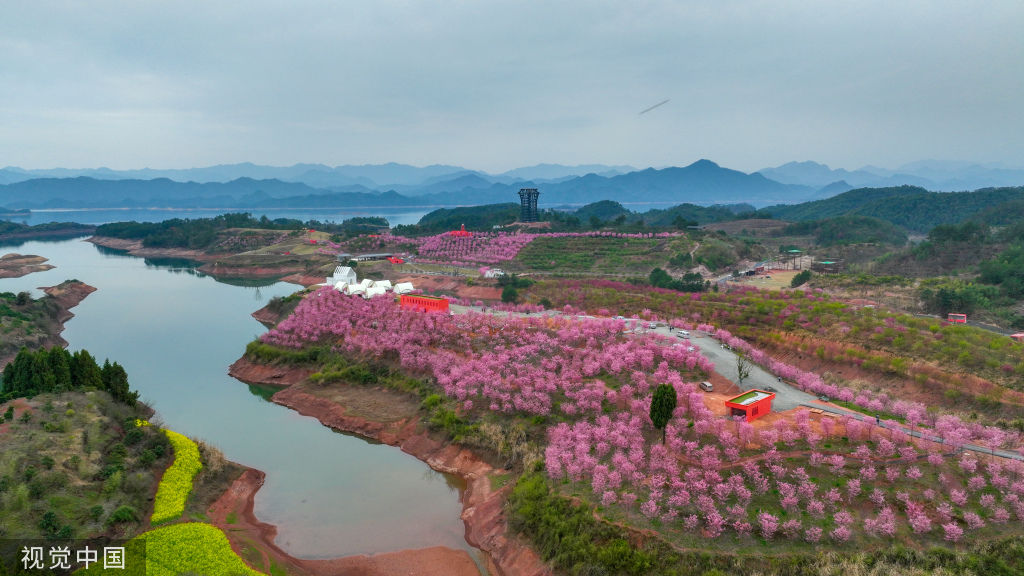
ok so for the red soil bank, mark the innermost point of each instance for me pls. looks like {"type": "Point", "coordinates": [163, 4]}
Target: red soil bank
{"type": "Point", "coordinates": [482, 508]}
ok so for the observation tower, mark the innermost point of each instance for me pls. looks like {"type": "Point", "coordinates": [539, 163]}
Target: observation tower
{"type": "Point", "coordinates": [528, 204]}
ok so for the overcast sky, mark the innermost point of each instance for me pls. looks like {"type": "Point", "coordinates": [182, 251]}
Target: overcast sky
{"type": "Point", "coordinates": [494, 86]}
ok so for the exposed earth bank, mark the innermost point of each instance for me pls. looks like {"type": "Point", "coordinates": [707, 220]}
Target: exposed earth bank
{"type": "Point", "coordinates": [482, 507]}
{"type": "Point", "coordinates": [16, 265]}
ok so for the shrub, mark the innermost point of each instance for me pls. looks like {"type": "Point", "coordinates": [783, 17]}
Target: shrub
{"type": "Point", "coordinates": [177, 481]}
{"type": "Point", "coordinates": [123, 515]}
{"type": "Point", "coordinates": [800, 279]}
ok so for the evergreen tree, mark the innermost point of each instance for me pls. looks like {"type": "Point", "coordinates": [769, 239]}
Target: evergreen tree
{"type": "Point", "coordinates": [21, 373]}
{"type": "Point", "coordinates": [57, 370]}
{"type": "Point", "coordinates": [662, 406]}
{"type": "Point", "coordinates": [105, 375]}
{"type": "Point", "coordinates": [116, 382]}
{"type": "Point", "coordinates": [85, 372]}
{"type": "Point", "coordinates": [60, 364]}
{"type": "Point", "coordinates": [43, 379]}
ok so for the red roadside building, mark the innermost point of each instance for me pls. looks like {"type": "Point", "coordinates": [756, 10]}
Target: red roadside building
{"type": "Point", "coordinates": [751, 405]}
{"type": "Point", "coordinates": [423, 303]}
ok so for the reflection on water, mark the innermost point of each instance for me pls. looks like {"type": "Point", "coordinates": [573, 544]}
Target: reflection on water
{"type": "Point", "coordinates": [176, 331]}
{"type": "Point", "coordinates": [263, 391]}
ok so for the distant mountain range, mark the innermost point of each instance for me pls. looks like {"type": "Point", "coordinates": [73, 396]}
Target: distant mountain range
{"type": "Point", "coordinates": [702, 182]}
{"type": "Point", "coordinates": [383, 177]}
{"type": "Point", "coordinates": [932, 175]}
{"type": "Point", "coordinates": [251, 187]}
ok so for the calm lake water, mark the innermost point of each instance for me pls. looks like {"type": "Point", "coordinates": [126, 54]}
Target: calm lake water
{"type": "Point", "coordinates": [176, 332]}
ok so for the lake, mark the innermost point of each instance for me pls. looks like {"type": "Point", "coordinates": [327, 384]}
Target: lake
{"type": "Point", "coordinates": [176, 331]}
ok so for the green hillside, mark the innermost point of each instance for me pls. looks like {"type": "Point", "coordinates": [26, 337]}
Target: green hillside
{"type": "Point", "coordinates": [909, 206]}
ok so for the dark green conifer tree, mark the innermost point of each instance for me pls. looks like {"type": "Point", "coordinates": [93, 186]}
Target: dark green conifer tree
{"type": "Point", "coordinates": [85, 372]}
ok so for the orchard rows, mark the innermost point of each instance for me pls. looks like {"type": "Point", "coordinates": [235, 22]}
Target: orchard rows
{"type": "Point", "coordinates": [799, 478]}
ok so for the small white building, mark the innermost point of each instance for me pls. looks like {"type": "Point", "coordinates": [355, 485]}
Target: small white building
{"type": "Point", "coordinates": [373, 292]}
{"type": "Point", "coordinates": [385, 284]}
{"type": "Point", "coordinates": [494, 273]}
{"type": "Point", "coordinates": [342, 274]}
{"type": "Point", "coordinates": [403, 288]}
{"type": "Point", "coordinates": [354, 289]}
{"type": "Point", "coordinates": [366, 283]}
{"type": "Point", "coordinates": [341, 286]}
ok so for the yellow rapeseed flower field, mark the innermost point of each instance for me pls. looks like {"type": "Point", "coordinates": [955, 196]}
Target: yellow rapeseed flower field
{"type": "Point", "coordinates": [177, 481]}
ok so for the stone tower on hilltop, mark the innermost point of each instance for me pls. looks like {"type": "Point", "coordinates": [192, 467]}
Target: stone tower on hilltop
{"type": "Point", "coordinates": [528, 204]}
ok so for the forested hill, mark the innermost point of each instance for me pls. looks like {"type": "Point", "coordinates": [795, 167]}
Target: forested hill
{"type": "Point", "coordinates": [911, 207]}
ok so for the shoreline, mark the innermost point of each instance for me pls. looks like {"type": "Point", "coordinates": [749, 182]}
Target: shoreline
{"type": "Point", "coordinates": [66, 296]}
{"type": "Point", "coordinates": [208, 262]}
{"type": "Point", "coordinates": [51, 234]}
{"type": "Point", "coordinates": [482, 507]}
{"type": "Point", "coordinates": [135, 248]}
{"type": "Point", "coordinates": [16, 265]}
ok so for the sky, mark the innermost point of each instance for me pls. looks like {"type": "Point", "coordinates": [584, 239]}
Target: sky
{"type": "Point", "coordinates": [497, 85]}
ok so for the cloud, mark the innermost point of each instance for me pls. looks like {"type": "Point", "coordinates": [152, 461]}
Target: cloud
{"type": "Point", "coordinates": [497, 85]}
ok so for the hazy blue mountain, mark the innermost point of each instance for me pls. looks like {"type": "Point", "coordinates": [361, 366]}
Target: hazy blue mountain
{"type": "Point", "coordinates": [934, 175]}
{"type": "Point", "coordinates": [558, 171]}
{"type": "Point", "coordinates": [468, 181]}
{"type": "Point", "coordinates": [701, 182]}
{"type": "Point", "coordinates": [833, 189]}
{"type": "Point", "coordinates": [325, 178]}
{"type": "Point", "coordinates": [9, 176]}
{"type": "Point", "coordinates": [816, 175]}
{"type": "Point", "coordinates": [218, 173]}
{"type": "Point", "coordinates": [83, 192]}
{"type": "Point", "coordinates": [394, 173]}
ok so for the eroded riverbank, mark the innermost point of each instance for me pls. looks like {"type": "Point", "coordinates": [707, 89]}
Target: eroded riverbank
{"type": "Point", "coordinates": [482, 506]}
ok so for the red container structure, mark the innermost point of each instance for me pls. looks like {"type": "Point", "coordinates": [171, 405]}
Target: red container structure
{"type": "Point", "coordinates": [462, 233]}
{"type": "Point", "coordinates": [957, 318]}
{"type": "Point", "coordinates": [395, 260]}
{"type": "Point", "coordinates": [751, 405]}
{"type": "Point", "coordinates": [423, 303]}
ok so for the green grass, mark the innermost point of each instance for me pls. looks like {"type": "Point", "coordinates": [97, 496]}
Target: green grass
{"type": "Point", "coordinates": [599, 254]}
{"type": "Point", "coordinates": [872, 413]}
{"type": "Point", "coordinates": [741, 398]}
{"type": "Point", "coordinates": [83, 470]}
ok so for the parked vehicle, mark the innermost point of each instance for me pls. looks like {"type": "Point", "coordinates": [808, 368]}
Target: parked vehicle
{"type": "Point", "coordinates": [707, 386]}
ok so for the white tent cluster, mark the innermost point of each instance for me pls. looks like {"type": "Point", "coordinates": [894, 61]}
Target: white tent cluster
{"type": "Point", "coordinates": [344, 281]}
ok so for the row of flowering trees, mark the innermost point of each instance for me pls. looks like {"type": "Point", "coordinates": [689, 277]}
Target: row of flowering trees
{"type": "Point", "coordinates": [535, 365]}
{"type": "Point", "coordinates": [951, 429]}
{"type": "Point", "coordinates": [479, 248]}
{"type": "Point", "coordinates": [795, 477]}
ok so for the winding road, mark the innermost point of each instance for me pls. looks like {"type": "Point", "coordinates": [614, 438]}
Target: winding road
{"type": "Point", "coordinates": [787, 396]}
